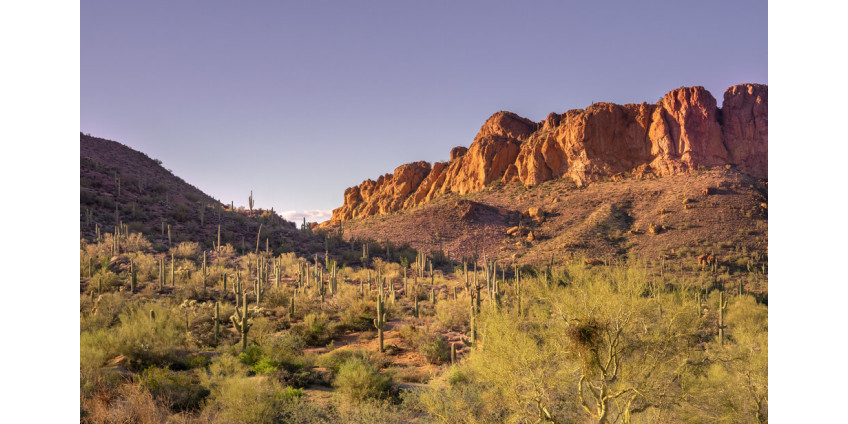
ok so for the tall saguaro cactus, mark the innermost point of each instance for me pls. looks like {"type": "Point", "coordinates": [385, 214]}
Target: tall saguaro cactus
{"type": "Point", "coordinates": [473, 328]}
{"type": "Point", "coordinates": [722, 306]}
{"type": "Point", "coordinates": [217, 321]}
{"type": "Point", "coordinates": [133, 277]}
{"type": "Point", "coordinates": [380, 321]}
{"type": "Point", "coordinates": [204, 270]}
{"type": "Point", "coordinates": [239, 321]}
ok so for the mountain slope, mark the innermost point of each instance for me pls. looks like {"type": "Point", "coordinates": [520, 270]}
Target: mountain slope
{"type": "Point", "coordinates": [683, 132]}
{"type": "Point", "coordinates": [678, 217]}
{"type": "Point", "coordinates": [118, 183]}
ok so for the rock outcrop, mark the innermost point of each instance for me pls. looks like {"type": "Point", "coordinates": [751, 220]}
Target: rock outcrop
{"type": "Point", "coordinates": [685, 130]}
{"type": "Point", "coordinates": [745, 127]}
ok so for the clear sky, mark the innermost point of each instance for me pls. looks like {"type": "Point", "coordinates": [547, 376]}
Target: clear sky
{"type": "Point", "coordinates": [299, 100]}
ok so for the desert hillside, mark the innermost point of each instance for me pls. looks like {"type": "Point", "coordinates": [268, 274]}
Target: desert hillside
{"type": "Point", "coordinates": [121, 185]}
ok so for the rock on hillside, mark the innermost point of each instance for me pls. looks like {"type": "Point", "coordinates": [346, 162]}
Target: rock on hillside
{"type": "Point", "coordinates": [685, 130]}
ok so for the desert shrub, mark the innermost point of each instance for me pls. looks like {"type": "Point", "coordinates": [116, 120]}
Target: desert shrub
{"type": "Point", "coordinates": [434, 348]}
{"type": "Point", "coordinates": [730, 384]}
{"type": "Point", "coordinates": [359, 380]}
{"type": "Point", "coordinates": [354, 312]}
{"type": "Point", "coordinates": [253, 400]}
{"type": "Point", "coordinates": [373, 411]}
{"type": "Point", "coordinates": [265, 366]}
{"type": "Point", "coordinates": [286, 349]}
{"type": "Point", "coordinates": [453, 314]}
{"type": "Point", "coordinates": [146, 266]}
{"type": "Point", "coordinates": [186, 250]}
{"type": "Point", "coordinates": [179, 390]}
{"type": "Point", "coordinates": [251, 355]}
{"type": "Point", "coordinates": [102, 312]}
{"type": "Point", "coordinates": [409, 374]}
{"type": "Point", "coordinates": [314, 329]}
{"type": "Point", "coordinates": [143, 340]}
{"type": "Point", "coordinates": [451, 402]}
{"type": "Point", "coordinates": [136, 242]}
{"type": "Point", "coordinates": [333, 360]}
{"type": "Point", "coordinates": [181, 213]}
{"type": "Point", "coordinates": [257, 361]}
{"type": "Point", "coordinates": [227, 365]}
{"type": "Point", "coordinates": [129, 403]}
{"type": "Point", "coordinates": [108, 279]}
{"type": "Point", "coordinates": [263, 328]}
{"type": "Point", "coordinates": [456, 375]}
{"type": "Point", "coordinates": [276, 298]}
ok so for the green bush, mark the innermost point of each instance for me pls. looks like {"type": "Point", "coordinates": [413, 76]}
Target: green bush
{"type": "Point", "coordinates": [286, 349]}
{"type": "Point", "coordinates": [186, 250]}
{"type": "Point", "coordinates": [144, 341]}
{"type": "Point", "coordinates": [359, 380]}
{"type": "Point", "coordinates": [314, 329]}
{"type": "Point", "coordinates": [335, 359]}
{"type": "Point", "coordinates": [254, 400]}
{"type": "Point", "coordinates": [453, 314]}
{"type": "Point", "coordinates": [434, 348]}
{"type": "Point", "coordinates": [265, 366]}
{"type": "Point", "coordinates": [179, 390]}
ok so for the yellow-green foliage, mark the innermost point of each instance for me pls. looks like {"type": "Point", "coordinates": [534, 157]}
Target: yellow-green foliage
{"type": "Point", "coordinates": [186, 250]}
{"type": "Point", "coordinates": [358, 380]}
{"type": "Point", "coordinates": [108, 279]}
{"type": "Point", "coordinates": [252, 400]}
{"type": "Point", "coordinates": [144, 341]}
{"type": "Point", "coordinates": [102, 312]}
{"type": "Point", "coordinates": [315, 329]}
{"type": "Point", "coordinates": [431, 345]}
{"type": "Point", "coordinates": [135, 242]}
{"type": "Point", "coordinates": [607, 346]}
{"type": "Point", "coordinates": [146, 266]}
{"type": "Point", "coordinates": [454, 314]}
{"type": "Point", "coordinates": [179, 390]}
{"type": "Point", "coordinates": [730, 385]}
{"type": "Point", "coordinates": [354, 312]}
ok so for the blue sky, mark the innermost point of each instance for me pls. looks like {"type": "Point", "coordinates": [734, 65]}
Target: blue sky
{"type": "Point", "coordinates": [297, 101]}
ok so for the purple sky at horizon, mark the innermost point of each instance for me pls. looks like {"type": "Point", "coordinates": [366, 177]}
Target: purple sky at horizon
{"type": "Point", "coordinates": [299, 101]}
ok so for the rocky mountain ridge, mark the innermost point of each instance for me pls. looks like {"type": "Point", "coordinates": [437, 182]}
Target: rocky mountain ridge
{"type": "Point", "coordinates": [682, 132]}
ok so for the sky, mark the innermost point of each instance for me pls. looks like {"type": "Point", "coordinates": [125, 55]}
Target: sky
{"type": "Point", "coordinates": [297, 101]}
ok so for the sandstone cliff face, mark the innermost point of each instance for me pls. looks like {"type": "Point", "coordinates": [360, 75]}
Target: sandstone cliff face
{"type": "Point", "coordinates": [683, 131]}
{"type": "Point", "coordinates": [745, 127]}
{"type": "Point", "coordinates": [385, 195]}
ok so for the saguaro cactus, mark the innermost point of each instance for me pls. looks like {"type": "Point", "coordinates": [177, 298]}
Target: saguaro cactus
{"type": "Point", "coordinates": [473, 328]}
{"type": "Point", "coordinates": [453, 354]}
{"type": "Point", "coordinates": [133, 278]}
{"type": "Point", "coordinates": [380, 321]}
{"type": "Point", "coordinates": [722, 306]}
{"type": "Point", "coordinates": [239, 321]}
{"type": "Point", "coordinates": [217, 321]}
{"type": "Point", "coordinates": [291, 307]}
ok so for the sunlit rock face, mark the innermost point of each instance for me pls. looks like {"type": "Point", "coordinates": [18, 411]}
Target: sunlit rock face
{"type": "Point", "coordinates": [685, 130]}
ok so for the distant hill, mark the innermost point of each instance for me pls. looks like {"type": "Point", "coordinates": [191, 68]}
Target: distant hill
{"type": "Point", "coordinates": [118, 183]}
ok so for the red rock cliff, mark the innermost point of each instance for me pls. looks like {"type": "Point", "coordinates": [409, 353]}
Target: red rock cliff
{"type": "Point", "coordinates": [681, 132]}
